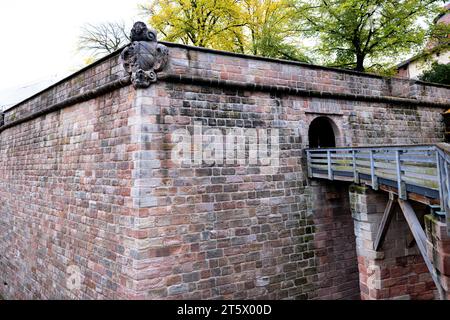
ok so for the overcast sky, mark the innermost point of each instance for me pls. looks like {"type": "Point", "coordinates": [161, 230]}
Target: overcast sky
{"type": "Point", "coordinates": [38, 38]}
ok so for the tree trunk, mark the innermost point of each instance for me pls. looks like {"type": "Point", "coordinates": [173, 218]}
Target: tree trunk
{"type": "Point", "coordinates": [360, 63]}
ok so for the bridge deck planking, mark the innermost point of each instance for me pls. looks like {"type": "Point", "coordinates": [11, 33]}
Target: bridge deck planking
{"type": "Point", "coordinates": [423, 195]}
{"type": "Point", "coordinates": [420, 173]}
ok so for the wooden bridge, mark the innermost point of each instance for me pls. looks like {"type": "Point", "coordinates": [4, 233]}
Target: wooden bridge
{"type": "Point", "coordinates": [408, 172]}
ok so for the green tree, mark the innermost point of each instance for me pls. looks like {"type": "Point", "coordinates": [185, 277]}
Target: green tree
{"type": "Point", "coordinates": [260, 27]}
{"type": "Point", "coordinates": [272, 29]}
{"type": "Point", "coordinates": [203, 23]}
{"type": "Point", "coordinates": [439, 35]}
{"type": "Point", "coordinates": [439, 73]}
{"type": "Point", "coordinates": [367, 35]}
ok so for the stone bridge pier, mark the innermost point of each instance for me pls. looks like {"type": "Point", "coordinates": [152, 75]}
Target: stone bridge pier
{"type": "Point", "coordinates": [438, 249]}
{"type": "Point", "coordinates": [397, 270]}
{"type": "Point", "coordinates": [347, 219]}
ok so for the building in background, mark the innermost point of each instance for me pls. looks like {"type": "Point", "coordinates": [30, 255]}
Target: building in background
{"type": "Point", "coordinates": [434, 52]}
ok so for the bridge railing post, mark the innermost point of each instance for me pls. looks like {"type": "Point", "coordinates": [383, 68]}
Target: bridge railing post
{"type": "Point", "coordinates": [308, 162]}
{"type": "Point", "coordinates": [443, 162]}
{"type": "Point", "coordinates": [372, 171]}
{"type": "Point", "coordinates": [446, 181]}
{"type": "Point", "coordinates": [330, 170]}
{"type": "Point", "coordinates": [355, 171]}
{"type": "Point", "coordinates": [446, 195]}
{"type": "Point", "coordinates": [439, 175]}
{"type": "Point", "coordinates": [401, 187]}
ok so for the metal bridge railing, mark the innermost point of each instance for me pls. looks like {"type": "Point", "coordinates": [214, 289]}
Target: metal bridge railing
{"type": "Point", "coordinates": [443, 172]}
{"type": "Point", "coordinates": [410, 169]}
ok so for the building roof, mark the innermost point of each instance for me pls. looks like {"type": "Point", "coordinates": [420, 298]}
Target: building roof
{"type": "Point", "coordinates": [423, 54]}
{"type": "Point", "coordinates": [444, 17]}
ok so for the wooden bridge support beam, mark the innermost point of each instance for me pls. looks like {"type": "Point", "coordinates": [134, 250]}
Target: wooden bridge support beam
{"type": "Point", "coordinates": [419, 236]}
{"type": "Point", "coordinates": [385, 222]}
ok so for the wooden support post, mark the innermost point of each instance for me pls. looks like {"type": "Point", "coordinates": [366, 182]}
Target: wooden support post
{"type": "Point", "coordinates": [401, 187]}
{"type": "Point", "coordinates": [372, 172]}
{"type": "Point", "coordinates": [330, 171]}
{"type": "Point", "coordinates": [385, 222]}
{"type": "Point", "coordinates": [420, 237]}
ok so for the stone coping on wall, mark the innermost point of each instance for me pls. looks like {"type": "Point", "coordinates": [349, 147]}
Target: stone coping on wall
{"type": "Point", "coordinates": [303, 64]}
{"type": "Point", "coordinates": [207, 67]}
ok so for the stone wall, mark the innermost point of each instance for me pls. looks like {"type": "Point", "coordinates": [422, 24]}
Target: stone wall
{"type": "Point", "coordinates": [65, 188]}
{"type": "Point", "coordinates": [397, 270]}
{"type": "Point", "coordinates": [89, 182]}
{"type": "Point", "coordinates": [334, 241]}
{"type": "Point", "coordinates": [103, 72]}
{"type": "Point", "coordinates": [438, 248]}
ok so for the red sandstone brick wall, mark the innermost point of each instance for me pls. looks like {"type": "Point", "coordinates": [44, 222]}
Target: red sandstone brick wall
{"type": "Point", "coordinates": [334, 241]}
{"type": "Point", "coordinates": [100, 73]}
{"type": "Point", "coordinates": [401, 278]}
{"type": "Point", "coordinates": [438, 247]}
{"type": "Point", "coordinates": [93, 185]}
{"type": "Point", "coordinates": [65, 181]}
{"type": "Point", "coordinates": [226, 231]}
{"type": "Point", "coordinates": [205, 64]}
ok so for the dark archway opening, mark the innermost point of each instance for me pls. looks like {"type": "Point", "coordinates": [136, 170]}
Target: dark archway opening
{"type": "Point", "coordinates": [321, 133]}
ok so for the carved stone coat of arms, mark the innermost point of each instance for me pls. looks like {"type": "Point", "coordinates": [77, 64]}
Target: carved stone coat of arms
{"type": "Point", "coordinates": [144, 56]}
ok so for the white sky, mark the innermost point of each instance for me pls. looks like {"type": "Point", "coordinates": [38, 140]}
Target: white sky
{"type": "Point", "coordinates": [38, 37]}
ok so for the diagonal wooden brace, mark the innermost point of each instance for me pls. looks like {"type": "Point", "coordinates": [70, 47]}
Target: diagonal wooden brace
{"type": "Point", "coordinates": [420, 237]}
{"type": "Point", "coordinates": [385, 222]}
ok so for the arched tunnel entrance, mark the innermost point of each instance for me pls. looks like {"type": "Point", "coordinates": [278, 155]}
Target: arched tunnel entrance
{"type": "Point", "coordinates": [334, 238]}
{"type": "Point", "coordinates": [321, 133]}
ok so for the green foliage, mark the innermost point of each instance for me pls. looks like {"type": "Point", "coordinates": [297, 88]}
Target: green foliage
{"type": "Point", "coordinates": [203, 23]}
{"type": "Point", "coordinates": [273, 45]}
{"type": "Point", "coordinates": [362, 35]}
{"type": "Point", "coordinates": [369, 35]}
{"type": "Point", "coordinates": [439, 73]}
{"type": "Point", "coordinates": [271, 26]}
{"type": "Point", "coordinates": [260, 27]}
{"type": "Point", "coordinates": [439, 35]}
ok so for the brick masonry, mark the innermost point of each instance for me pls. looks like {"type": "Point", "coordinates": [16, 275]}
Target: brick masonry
{"type": "Point", "coordinates": [66, 200]}
{"type": "Point", "coordinates": [93, 185]}
{"type": "Point", "coordinates": [334, 241]}
{"type": "Point", "coordinates": [397, 271]}
{"type": "Point", "coordinates": [438, 248]}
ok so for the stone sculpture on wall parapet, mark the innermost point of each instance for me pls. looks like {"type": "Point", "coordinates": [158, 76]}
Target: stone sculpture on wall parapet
{"type": "Point", "coordinates": [144, 57]}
